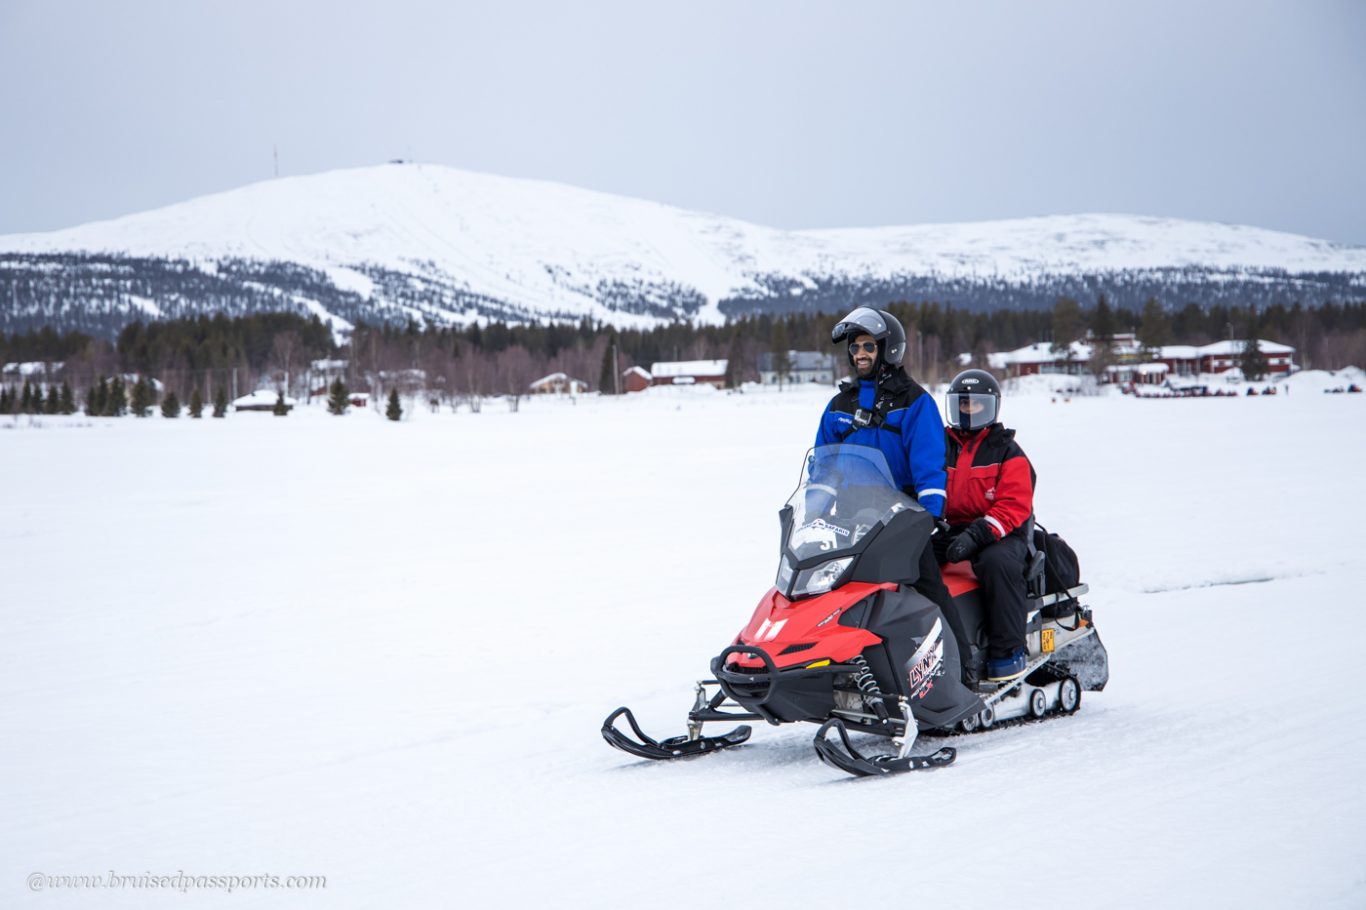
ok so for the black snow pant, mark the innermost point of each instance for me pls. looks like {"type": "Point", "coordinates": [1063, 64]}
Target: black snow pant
{"type": "Point", "coordinates": [931, 584]}
{"type": "Point", "coordinates": [1000, 569]}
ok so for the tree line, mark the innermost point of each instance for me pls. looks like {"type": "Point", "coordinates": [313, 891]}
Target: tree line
{"type": "Point", "coordinates": [219, 357]}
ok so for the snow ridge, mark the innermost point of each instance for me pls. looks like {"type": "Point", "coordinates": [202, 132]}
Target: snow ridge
{"type": "Point", "coordinates": [535, 249]}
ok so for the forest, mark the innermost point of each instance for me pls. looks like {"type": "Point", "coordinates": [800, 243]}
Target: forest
{"type": "Point", "coordinates": [227, 356]}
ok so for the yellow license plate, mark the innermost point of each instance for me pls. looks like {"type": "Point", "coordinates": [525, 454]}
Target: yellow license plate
{"type": "Point", "coordinates": [1046, 643]}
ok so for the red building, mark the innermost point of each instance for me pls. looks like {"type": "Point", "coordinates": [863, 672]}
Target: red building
{"type": "Point", "coordinates": [636, 379]}
{"type": "Point", "coordinates": [1133, 363]}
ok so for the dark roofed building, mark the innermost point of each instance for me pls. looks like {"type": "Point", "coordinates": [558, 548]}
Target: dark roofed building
{"type": "Point", "coordinates": [806, 366]}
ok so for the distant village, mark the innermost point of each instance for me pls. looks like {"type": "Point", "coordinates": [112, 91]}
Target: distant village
{"type": "Point", "coordinates": [270, 362]}
{"type": "Point", "coordinates": [1127, 363]}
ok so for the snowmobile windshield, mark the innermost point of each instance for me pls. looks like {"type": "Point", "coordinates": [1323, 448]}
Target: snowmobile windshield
{"type": "Point", "coordinates": [845, 492]}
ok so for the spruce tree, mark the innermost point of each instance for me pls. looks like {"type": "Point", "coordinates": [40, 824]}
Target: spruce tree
{"type": "Point", "coordinates": [141, 404]}
{"type": "Point", "coordinates": [338, 398]}
{"type": "Point", "coordinates": [67, 404]}
{"type": "Point", "coordinates": [607, 376]}
{"type": "Point", "coordinates": [1103, 322]}
{"type": "Point", "coordinates": [170, 406]}
{"type": "Point", "coordinates": [4, 400]}
{"type": "Point", "coordinates": [196, 403]}
{"type": "Point", "coordinates": [1155, 330]}
{"type": "Point", "coordinates": [220, 403]}
{"type": "Point", "coordinates": [53, 404]}
{"type": "Point", "coordinates": [1253, 361]}
{"type": "Point", "coordinates": [1066, 323]}
{"type": "Point", "coordinates": [26, 401]}
{"type": "Point", "coordinates": [734, 369]}
{"type": "Point", "coordinates": [782, 359]}
{"type": "Point", "coordinates": [393, 411]}
{"type": "Point", "coordinates": [116, 405]}
{"type": "Point", "coordinates": [96, 398]}
{"type": "Point", "coordinates": [281, 409]}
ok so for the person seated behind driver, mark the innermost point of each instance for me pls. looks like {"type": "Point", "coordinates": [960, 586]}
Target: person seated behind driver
{"type": "Point", "coordinates": [990, 498]}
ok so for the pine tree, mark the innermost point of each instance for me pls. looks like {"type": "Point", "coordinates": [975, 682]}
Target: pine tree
{"type": "Point", "coordinates": [1253, 361]}
{"type": "Point", "coordinates": [607, 376]}
{"type": "Point", "coordinates": [196, 403]}
{"type": "Point", "coordinates": [338, 398]}
{"type": "Point", "coordinates": [1066, 323]}
{"type": "Point", "coordinates": [220, 403]}
{"type": "Point", "coordinates": [782, 360]}
{"type": "Point", "coordinates": [393, 411]}
{"type": "Point", "coordinates": [1156, 329]}
{"type": "Point", "coordinates": [141, 405]}
{"type": "Point", "coordinates": [53, 405]}
{"type": "Point", "coordinates": [170, 406]}
{"type": "Point", "coordinates": [734, 369]}
{"type": "Point", "coordinates": [116, 405]}
{"type": "Point", "coordinates": [1103, 322]}
{"type": "Point", "coordinates": [96, 398]}
{"type": "Point", "coordinates": [1102, 339]}
{"type": "Point", "coordinates": [67, 404]}
{"type": "Point", "coordinates": [281, 409]}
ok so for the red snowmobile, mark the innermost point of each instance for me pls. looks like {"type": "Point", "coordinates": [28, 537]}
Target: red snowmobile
{"type": "Point", "coordinates": [844, 641]}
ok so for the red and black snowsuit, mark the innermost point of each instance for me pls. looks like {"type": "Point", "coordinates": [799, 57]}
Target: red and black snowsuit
{"type": "Point", "coordinates": [990, 478]}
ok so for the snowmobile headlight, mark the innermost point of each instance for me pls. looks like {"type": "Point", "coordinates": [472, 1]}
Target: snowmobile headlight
{"type": "Point", "coordinates": [820, 579]}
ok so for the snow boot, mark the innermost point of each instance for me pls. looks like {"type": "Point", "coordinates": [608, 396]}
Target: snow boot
{"type": "Point", "coordinates": [1012, 665]}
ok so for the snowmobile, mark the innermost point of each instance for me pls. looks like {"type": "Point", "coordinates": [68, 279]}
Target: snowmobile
{"type": "Point", "coordinates": [842, 639]}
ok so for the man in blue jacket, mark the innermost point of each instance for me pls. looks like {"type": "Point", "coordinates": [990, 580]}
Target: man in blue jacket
{"type": "Point", "coordinates": [886, 409]}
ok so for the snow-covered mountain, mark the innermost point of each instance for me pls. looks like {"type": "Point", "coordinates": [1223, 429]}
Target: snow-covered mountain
{"type": "Point", "coordinates": [433, 243]}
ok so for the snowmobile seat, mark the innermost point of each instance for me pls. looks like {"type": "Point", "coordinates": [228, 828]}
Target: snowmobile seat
{"type": "Point", "coordinates": [959, 577]}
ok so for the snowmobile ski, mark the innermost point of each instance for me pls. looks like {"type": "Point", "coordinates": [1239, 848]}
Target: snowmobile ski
{"type": "Point", "coordinates": [841, 754]}
{"type": "Point", "coordinates": [674, 747]}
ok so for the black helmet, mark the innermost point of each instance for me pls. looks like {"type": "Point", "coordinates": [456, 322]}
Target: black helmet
{"type": "Point", "coordinates": [882, 325]}
{"type": "Point", "coordinates": [973, 400]}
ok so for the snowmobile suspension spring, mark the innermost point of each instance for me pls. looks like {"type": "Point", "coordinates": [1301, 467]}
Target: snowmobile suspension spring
{"type": "Point", "coordinates": [867, 684]}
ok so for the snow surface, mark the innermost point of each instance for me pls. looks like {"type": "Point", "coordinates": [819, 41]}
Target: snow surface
{"type": "Point", "coordinates": [381, 652]}
{"type": "Point", "coordinates": [548, 247]}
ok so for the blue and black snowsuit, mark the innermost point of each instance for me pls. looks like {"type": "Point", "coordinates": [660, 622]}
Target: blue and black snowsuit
{"type": "Point", "coordinates": [893, 414]}
{"type": "Point", "coordinates": [896, 416]}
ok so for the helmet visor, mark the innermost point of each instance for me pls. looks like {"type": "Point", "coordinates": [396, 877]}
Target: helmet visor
{"type": "Point", "coordinates": [970, 410]}
{"type": "Point", "coordinates": [862, 321]}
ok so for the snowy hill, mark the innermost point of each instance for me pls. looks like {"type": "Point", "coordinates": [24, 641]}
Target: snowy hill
{"type": "Point", "coordinates": [433, 243]}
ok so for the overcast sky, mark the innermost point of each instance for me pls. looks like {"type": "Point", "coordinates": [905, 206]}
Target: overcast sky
{"type": "Point", "coordinates": [790, 114]}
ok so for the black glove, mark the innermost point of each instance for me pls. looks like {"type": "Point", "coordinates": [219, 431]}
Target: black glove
{"type": "Point", "coordinates": [966, 545]}
{"type": "Point", "coordinates": [940, 541]}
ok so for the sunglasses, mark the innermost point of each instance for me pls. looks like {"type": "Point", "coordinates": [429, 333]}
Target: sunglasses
{"type": "Point", "coordinates": [867, 347]}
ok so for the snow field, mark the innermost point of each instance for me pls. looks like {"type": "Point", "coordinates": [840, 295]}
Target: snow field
{"type": "Point", "coordinates": [381, 653]}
